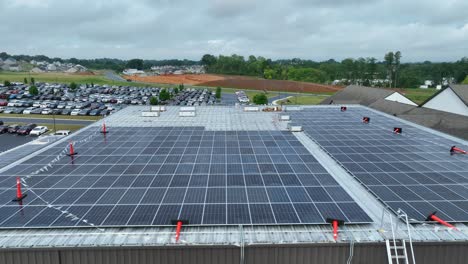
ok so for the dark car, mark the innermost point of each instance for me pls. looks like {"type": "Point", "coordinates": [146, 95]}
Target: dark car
{"type": "Point", "coordinates": [65, 111]}
{"type": "Point", "coordinates": [13, 129]}
{"type": "Point", "coordinates": [25, 130]}
{"type": "Point", "coordinates": [1, 122]}
{"type": "Point", "coordinates": [84, 112]}
{"type": "Point", "coordinates": [3, 129]}
{"type": "Point", "coordinates": [105, 112]}
{"type": "Point", "coordinates": [36, 111]}
{"type": "Point", "coordinates": [95, 112]}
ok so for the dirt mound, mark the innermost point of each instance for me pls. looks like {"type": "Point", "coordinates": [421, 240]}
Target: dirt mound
{"type": "Point", "coordinates": [193, 79]}
{"type": "Point", "coordinates": [238, 82]}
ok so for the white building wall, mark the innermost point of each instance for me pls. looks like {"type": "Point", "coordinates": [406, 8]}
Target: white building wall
{"type": "Point", "coordinates": [397, 97]}
{"type": "Point", "coordinates": [448, 101]}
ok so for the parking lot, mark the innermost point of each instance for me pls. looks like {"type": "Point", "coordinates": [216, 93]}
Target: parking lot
{"type": "Point", "coordinates": [92, 100]}
{"type": "Point", "coordinates": [9, 141]}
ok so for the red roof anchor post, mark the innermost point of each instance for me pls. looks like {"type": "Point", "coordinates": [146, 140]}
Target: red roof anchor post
{"type": "Point", "coordinates": [178, 224]}
{"type": "Point", "coordinates": [366, 120]}
{"type": "Point", "coordinates": [397, 130]}
{"type": "Point", "coordinates": [344, 108]}
{"type": "Point", "coordinates": [19, 195]}
{"type": "Point", "coordinates": [433, 217]}
{"type": "Point", "coordinates": [455, 150]}
{"type": "Point", "coordinates": [104, 129]}
{"type": "Point", "coordinates": [72, 150]}
{"type": "Point", "coordinates": [335, 223]}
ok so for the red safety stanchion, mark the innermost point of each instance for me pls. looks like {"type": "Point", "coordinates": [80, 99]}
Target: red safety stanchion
{"type": "Point", "coordinates": [366, 120]}
{"type": "Point", "coordinates": [455, 150]}
{"type": "Point", "coordinates": [72, 150]}
{"type": "Point", "coordinates": [19, 195]}
{"type": "Point", "coordinates": [104, 129]}
{"type": "Point", "coordinates": [178, 224]}
{"type": "Point", "coordinates": [397, 130]}
{"type": "Point", "coordinates": [433, 217]}
{"type": "Point", "coordinates": [343, 108]}
{"type": "Point", "coordinates": [335, 224]}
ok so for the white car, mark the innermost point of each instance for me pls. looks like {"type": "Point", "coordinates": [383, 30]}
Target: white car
{"type": "Point", "coordinates": [28, 110]}
{"type": "Point", "coordinates": [46, 111]}
{"type": "Point", "coordinates": [39, 130]}
{"type": "Point", "coordinates": [75, 112]}
{"type": "Point", "coordinates": [62, 133]}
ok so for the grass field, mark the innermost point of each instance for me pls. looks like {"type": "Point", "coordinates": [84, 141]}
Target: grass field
{"type": "Point", "coordinates": [303, 100]}
{"type": "Point", "coordinates": [418, 95]}
{"type": "Point", "coordinates": [68, 117]}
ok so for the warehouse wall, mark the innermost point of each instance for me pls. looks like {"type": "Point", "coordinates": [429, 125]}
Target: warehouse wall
{"type": "Point", "coordinates": [427, 253]}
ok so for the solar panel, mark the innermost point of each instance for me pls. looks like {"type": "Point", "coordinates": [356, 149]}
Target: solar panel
{"type": "Point", "coordinates": [150, 176]}
{"type": "Point", "coordinates": [413, 171]}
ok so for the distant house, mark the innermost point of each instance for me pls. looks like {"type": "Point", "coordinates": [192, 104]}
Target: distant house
{"type": "Point", "coordinates": [133, 72]}
{"type": "Point", "coordinates": [453, 99]}
{"type": "Point", "coordinates": [51, 67]}
{"type": "Point", "coordinates": [10, 61]}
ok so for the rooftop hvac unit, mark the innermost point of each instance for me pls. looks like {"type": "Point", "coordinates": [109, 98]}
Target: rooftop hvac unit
{"type": "Point", "coordinates": [186, 114]}
{"type": "Point", "coordinates": [285, 118]}
{"type": "Point", "coordinates": [149, 114]}
{"type": "Point", "coordinates": [292, 108]}
{"type": "Point", "coordinates": [159, 108]}
{"type": "Point", "coordinates": [251, 109]}
{"type": "Point", "coordinates": [295, 128]}
{"type": "Point", "coordinates": [187, 109]}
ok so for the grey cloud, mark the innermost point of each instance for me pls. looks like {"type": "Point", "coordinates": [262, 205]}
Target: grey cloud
{"type": "Point", "coordinates": [313, 29]}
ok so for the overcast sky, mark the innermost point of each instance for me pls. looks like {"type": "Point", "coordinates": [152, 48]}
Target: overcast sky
{"type": "Point", "coordinates": [310, 29]}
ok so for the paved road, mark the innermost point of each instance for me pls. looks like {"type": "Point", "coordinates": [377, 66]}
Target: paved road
{"type": "Point", "coordinates": [46, 121]}
{"type": "Point", "coordinates": [113, 76]}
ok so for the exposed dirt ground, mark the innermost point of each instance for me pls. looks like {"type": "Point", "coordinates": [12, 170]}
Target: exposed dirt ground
{"type": "Point", "coordinates": [239, 82]}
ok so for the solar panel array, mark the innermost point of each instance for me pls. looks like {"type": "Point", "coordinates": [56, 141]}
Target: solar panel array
{"type": "Point", "coordinates": [150, 176]}
{"type": "Point", "coordinates": [413, 171]}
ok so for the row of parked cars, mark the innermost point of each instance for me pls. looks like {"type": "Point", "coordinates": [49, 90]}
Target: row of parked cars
{"type": "Point", "coordinates": [194, 97]}
{"type": "Point", "coordinates": [29, 129]}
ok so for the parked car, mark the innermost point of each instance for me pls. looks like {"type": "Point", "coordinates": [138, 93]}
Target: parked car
{"type": "Point", "coordinates": [13, 129]}
{"type": "Point", "coordinates": [46, 111]}
{"type": "Point", "coordinates": [1, 122]}
{"type": "Point", "coordinates": [75, 112]}
{"type": "Point", "coordinates": [28, 110]}
{"type": "Point", "coordinates": [95, 112]}
{"type": "Point", "coordinates": [36, 111]}
{"type": "Point", "coordinates": [84, 112]}
{"type": "Point", "coordinates": [25, 130]}
{"type": "Point", "coordinates": [65, 112]}
{"type": "Point", "coordinates": [39, 130]}
{"type": "Point", "coordinates": [62, 133]}
{"type": "Point", "coordinates": [3, 129]}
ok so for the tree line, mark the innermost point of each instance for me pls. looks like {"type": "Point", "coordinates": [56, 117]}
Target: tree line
{"type": "Point", "coordinates": [388, 72]}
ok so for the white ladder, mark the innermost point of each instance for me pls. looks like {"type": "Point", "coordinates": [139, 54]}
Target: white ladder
{"type": "Point", "coordinates": [396, 252]}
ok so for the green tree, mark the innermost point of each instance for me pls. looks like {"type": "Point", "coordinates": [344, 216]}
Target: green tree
{"type": "Point", "coordinates": [135, 64]}
{"type": "Point", "coordinates": [6, 83]}
{"type": "Point", "coordinates": [389, 59]}
{"type": "Point", "coordinates": [164, 95]}
{"type": "Point", "coordinates": [218, 93]}
{"type": "Point", "coordinates": [73, 86]}
{"type": "Point", "coordinates": [153, 100]}
{"type": "Point", "coordinates": [260, 99]}
{"type": "Point", "coordinates": [181, 87]}
{"type": "Point", "coordinates": [33, 81]}
{"type": "Point", "coordinates": [176, 90]}
{"type": "Point", "coordinates": [33, 90]}
{"type": "Point", "coordinates": [25, 81]}
{"type": "Point", "coordinates": [397, 57]}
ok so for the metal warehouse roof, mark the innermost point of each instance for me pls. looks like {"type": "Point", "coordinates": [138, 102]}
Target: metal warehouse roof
{"type": "Point", "coordinates": [224, 119]}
